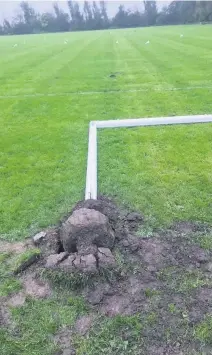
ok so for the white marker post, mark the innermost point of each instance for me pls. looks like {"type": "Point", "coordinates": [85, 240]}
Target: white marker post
{"type": "Point", "coordinates": [91, 178]}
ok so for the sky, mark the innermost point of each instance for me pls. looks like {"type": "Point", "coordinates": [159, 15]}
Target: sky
{"type": "Point", "coordinates": [10, 8]}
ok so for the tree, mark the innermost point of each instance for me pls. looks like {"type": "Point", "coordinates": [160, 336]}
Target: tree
{"type": "Point", "coordinates": [151, 12]}
{"type": "Point", "coordinates": [182, 12]}
{"type": "Point", "coordinates": [97, 19]}
{"type": "Point", "coordinates": [177, 12]}
{"type": "Point", "coordinates": [19, 26]}
{"type": "Point", "coordinates": [77, 20]}
{"type": "Point", "coordinates": [88, 16]}
{"type": "Point", "coordinates": [203, 11]}
{"type": "Point", "coordinates": [28, 12]}
{"type": "Point", "coordinates": [95, 16]}
{"type": "Point", "coordinates": [7, 28]}
{"type": "Point", "coordinates": [120, 18]}
{"type": "Point", "coordinates": [62, 23]}
{"type": "Point", "coordinates": [136, 19]}
{"type": "Point", "coordinates": [104, 15]}
{"type": "Point", "coordinates": [47, 22]}
{"type": "Point", "coordinates": [127, 18]}
{"type": "Point", "coordinates": [30, 18]}
{"type": "Point", "coordinates": [162, 16]}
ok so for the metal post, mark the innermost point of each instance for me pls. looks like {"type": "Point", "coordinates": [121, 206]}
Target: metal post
{"type": "Point", "coordinates": [91, 178]}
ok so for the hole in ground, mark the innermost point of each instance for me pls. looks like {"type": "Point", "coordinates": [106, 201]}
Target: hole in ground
{"type": "Point", "coordinates": [61, 248]}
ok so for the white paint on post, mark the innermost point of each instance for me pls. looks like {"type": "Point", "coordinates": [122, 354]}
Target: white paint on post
{"type": "Point", "coordinates": [91, 178]}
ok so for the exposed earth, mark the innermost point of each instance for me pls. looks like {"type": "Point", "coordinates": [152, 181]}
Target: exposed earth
{"type": "Point", "coordinates": [100, 253]}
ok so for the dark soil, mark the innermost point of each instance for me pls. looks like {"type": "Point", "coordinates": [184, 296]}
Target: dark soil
{"type": "Point", "coordinates": [165, 278]}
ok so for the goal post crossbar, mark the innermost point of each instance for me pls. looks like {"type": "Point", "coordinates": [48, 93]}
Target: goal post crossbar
{"type": "Point", "coordinates": [91, 175]}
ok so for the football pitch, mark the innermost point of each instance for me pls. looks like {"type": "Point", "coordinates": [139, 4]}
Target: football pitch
{"type": "Point", "coordinates": [53, 85]}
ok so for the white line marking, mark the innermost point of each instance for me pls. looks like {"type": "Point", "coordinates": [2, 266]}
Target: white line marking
{"type": "Point", "coordinates": [91, 178]}
{"type": "Point", "coordinates": [100, 92]}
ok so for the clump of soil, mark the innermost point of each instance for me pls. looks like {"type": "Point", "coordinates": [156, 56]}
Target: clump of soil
{"type": "Point", "coordinates": [89, 237]}
{"type": "Point", "coordinates": [166, 278]}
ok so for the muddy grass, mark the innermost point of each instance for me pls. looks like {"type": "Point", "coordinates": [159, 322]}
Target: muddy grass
{"type": "Point", "coordinates": [159, 300]}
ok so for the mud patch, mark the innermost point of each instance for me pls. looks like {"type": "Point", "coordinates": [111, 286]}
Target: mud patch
{"type": "Point", "coordinates": [17, 300]}
{"type": "Point", "coordinates": [16, 248]}
{"type": "Point", "coordinates": [205, 295]}
{"type": "Point", "coordinates": [35, 287]}
{"type": "Point", "coordinates": [84, 323]}
{"type": "Point", "coordinates": [115, 305]}
{"type": "Point", "coordinates": [165, 350]}
{"type": "Point", "coordinates": [5, 317]}
{"type": "Point", "coordinates": [185, 227]}
{"type": "Point", "coordinates": [165, 280]}
{"type": "Point", "coordinates": [154, 253]}
{"type": "Point", "coordinates": [63, 339]}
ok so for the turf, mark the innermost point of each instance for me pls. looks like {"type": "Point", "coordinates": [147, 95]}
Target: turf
{"type": "Point", "coordinates": [50, 91]}
{"type": "Point", "coordinates": [165, 321]}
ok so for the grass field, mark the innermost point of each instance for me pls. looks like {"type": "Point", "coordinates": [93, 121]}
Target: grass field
{"type": "Point", "coordinates": [49, 92]}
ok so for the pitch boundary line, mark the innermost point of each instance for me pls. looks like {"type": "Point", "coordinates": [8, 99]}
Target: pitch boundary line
{"type": "Point", "coordinates": [99, 92]}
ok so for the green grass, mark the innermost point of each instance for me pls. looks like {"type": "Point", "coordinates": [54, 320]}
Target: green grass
{"type": "Point", "coordinates": [8, 283]}
{"type": "Point", "coordinates": [205, 241]}
{"type": "Point", "coordinates": [120, 335]}
{"type": "Point", "coordinates": [36, 324]}
{"type": "Point", "coordinates": [202, 331]}
{"type": "Point", "coordinates": [183, 281]}
{"type": "Point", "coordinates": [22, 261]}
{"type": "Point", "coordinates": [68, 280]}
{"type": "Point", "coordinates": [49, 92]}
{"type": "Point", "coordinates": [163, 172]}
{"type": "Point", "coordinates": [10, 265]}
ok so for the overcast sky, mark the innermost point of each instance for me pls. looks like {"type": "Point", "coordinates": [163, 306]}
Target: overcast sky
{"type": "Point", "coordinates": [10, 8]}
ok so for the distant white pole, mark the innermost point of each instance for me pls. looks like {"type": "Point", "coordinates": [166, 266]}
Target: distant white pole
{"type": "Point", "coordinates": [91, 177]}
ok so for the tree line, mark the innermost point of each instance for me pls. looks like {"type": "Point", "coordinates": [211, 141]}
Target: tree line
{"type": "Point", "coordinates": [94, 16]}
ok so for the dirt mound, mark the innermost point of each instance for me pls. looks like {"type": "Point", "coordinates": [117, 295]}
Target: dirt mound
{"type": "Point", "coordinates": [84, 229]}
{"type": "Point", "coordinates": [86, 240]}
{"type": "Point", "coordinates": [165, 278]}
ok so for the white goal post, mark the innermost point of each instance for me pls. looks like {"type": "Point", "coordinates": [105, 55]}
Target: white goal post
{"type": "Point", "coordinates": [91, 177]}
